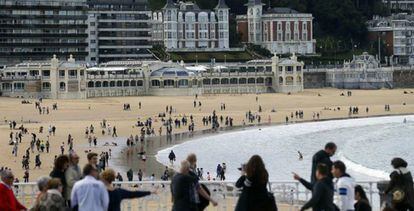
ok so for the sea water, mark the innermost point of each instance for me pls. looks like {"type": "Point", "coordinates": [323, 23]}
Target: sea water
{"type": "Point", "coordinates": [365, 145]}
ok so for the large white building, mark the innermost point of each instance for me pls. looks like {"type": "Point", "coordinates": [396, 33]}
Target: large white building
{"type": "Point", "coordinates": [184, 25]}
{"type": "Point", "coordinates": [70, 79]}
{"type": "Point", "coordinates": [363, 72]}
{"type": "Point", "coordinates": [280, 30]}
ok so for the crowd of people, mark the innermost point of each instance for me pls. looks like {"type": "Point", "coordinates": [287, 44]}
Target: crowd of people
{"type": "Point", "coordinates": [70, 188]}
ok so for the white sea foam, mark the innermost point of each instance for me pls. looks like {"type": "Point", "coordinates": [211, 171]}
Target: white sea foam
{"type": "Point", "coordinates": [366, 146]}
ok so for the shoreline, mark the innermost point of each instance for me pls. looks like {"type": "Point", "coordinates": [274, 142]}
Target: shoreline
{"type": "Point", "coordinates": [182, 137]}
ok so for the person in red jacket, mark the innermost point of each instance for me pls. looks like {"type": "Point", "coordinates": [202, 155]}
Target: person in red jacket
{"type": "Point", "coordinates": [7, 199]}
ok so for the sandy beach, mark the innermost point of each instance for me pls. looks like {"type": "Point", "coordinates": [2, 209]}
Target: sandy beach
{"type": "Point", "coordinates": [73, 116]}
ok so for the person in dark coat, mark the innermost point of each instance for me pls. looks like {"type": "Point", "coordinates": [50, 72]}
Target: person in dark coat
{"type": "Point", "coordinates": [323, 156]}
{"type": "Point", "coordinates": [362, 203]}
{"type": "Point", "coordinates": [182, 190]}
{"type": "Point", "coordinates": [401, 178]}
{"type": "Point", "coordinates": [322, 190]}
{"type": "Point", "coordinates": [59, 169]}
{"type": "Point", "coordinates": [254, 195]}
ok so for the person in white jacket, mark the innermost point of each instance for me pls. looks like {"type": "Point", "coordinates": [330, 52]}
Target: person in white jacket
{"type": "Point", "coordinates": [344, 187]}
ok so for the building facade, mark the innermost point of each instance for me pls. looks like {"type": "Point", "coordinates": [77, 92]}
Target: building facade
{"type": "Point", "coordinates": [37, 29]}
{"type": "Point", "coordinates": [400, 4]}
{"type": "Point", "coordinates": [70, 79]}
{"type": "Point", "coordinates": [118, 30]}
{"type": "Point", "coordinates": [363, 72]}
{"type": "Point", "coordinates": [280, 30]}
{"type": "Point", "coordinates": [184, 25]}
{"type": "Point", "coordinates": [397, 34]}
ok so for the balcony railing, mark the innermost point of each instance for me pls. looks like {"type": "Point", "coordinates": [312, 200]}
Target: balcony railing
{"type": "Point", "coordinates": [289, 194]}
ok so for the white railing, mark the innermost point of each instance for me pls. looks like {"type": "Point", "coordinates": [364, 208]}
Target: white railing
{"type": "Point", "coordinates": [290, 195]}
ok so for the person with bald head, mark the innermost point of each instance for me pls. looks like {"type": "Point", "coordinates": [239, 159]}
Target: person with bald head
{"type": "Point", "coordinates": [7, 199]}
{"type": "Point", "coordinates": [72, 174]}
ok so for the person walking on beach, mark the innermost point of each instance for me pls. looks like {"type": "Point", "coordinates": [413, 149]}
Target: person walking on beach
{"type": "Point", "coordinates": [401, 186]}
{"type": "Point", "coordinates": [323, 156]}
{"type": "Point", "coordinates": [114, 134]}
{"type": "Point", "coordinates": [344, 187]}
{"type": "Point", "coordinates": [171, 156]}
{"type": "Point", "coordinates": [89, 193]}
{"type": "Point", "coordinates": [322, 190]}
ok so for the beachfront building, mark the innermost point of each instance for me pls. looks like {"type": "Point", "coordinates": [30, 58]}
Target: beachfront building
{"type": "Point", "coordinates": [280, 30]}
{"type": "Point", "coordinates": [184, 26]}
{"type": "Point", "coordinates": [47, 79]}
{"type": "Point", "coordinates": [406, 5]}
{"type": "Point", "coordinates": [396, 35]}
{"type": "Point", "coordinates": [363, 72]}
{"type": "Point", "coordinates": [71, 79]}
{"type": "Point", "coordinates": [118, 30]}
{"type": "Point", "coordinates": [37, 29]}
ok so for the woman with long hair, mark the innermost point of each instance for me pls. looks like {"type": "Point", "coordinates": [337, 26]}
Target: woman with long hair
{"type": "Point", "coordinates": [254, 195]}
{"type": "Point", "coordinates": [362, 203]}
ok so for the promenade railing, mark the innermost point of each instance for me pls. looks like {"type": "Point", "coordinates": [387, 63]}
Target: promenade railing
{"type": "Point", "coordinates": [290, 195]}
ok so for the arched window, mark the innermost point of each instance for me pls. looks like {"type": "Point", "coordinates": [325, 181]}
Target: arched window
{"type": "Point", "coordinates": [251, 81]}
{"type": "Point", "coordinates": [119, 83]}
{"type": "Point", "coordinates": [242, 81]}
{"type": "Point", "coordinates": [133, 83]}
{"type": "Point", "coordinates": [289, 80]}
{"type": "Point", "coordinates": [183, 82]}
{"type": "Point", "coordinates": [105, 84]}
{"type": "Point", "coordinates": [112, 83]}
{"type": "Point", "coordinates": [268, 81]}
{"type": "Point", "coordinates": [281, 80]}
{"type": "Point", "coordinates": [155, 83]}
{"type": "Point", "coordinates": [126, 83]}
{"type": "Point", "coordinates": [62, 86]}
{"type": "Point", "coordinates": [98, 84]}
{"type": "Point", "coordinates": [224, 81]}
{"type": "Point", "coordinates": [206, 81]}
{"type": "Point", "coordinates": [195, 83]}
{"type": "Point", "coordinates": [259, 80]}
{"type": "Point", "coordinates": [140, 83]}
{"type": "Point", "coordinates": [299, 79]}
{"type": "Point", "coordinates": [90, 84]}
{"type": "Point", "coordinates": [46, 86]}
{"type": "Point", "coordinates": [216, 81]}
{"type": "Point", "coordinates": [233, 81]}
{"type": "Point", "coordinates": [169, 82]}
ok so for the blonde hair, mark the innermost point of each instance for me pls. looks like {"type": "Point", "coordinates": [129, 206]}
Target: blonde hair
{"type": "Point", "coordinates": [185, 166]}
{"type": "Point", "coordinates": [108, 175]}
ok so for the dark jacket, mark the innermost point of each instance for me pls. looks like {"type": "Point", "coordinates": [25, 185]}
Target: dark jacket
{"type": "Point", "coordinates": [182, 194]}
{"type": "Point", "coordinates": [322, 195]}
{"type": "Point", "coordinates": [116, 196]}
{"type": "Point", "coordinates": [362, 205]}
{"type": "Point", "coordinates": [254, 196]}
{"type": "Point", "coordinates": [60, 175]}
{"type": "Point", "coordinates": [402, 178]}
{"type": "Point", "coordinates": [320, 157]}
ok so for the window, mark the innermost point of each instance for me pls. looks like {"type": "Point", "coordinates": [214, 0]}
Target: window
{"type": "Point", "coordinates": [73, 73]}
{"type": "Point", "coordinates": [62, 86]}
{"type": "Point", "coordinates": [61, 73]}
